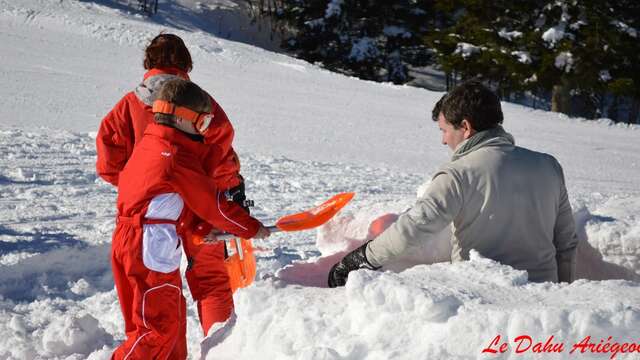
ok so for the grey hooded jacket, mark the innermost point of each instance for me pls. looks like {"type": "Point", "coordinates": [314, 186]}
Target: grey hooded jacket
{"type": "Point", "coordinates": [508, 203]}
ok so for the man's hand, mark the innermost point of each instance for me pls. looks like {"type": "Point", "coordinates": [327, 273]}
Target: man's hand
{"type": "Point", "coordinates": [357, 259]}
{"type": "Point", "coordinates": [262, 233]}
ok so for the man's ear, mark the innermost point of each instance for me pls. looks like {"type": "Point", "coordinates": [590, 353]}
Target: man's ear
{"type": "Point", "coordinates": [469, 131]}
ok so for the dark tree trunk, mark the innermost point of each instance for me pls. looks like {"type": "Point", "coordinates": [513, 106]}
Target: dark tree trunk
{"type": "Point", "coordinates": [634, 111]}
{"type": "Point", "coordinates": [560, 98]}
{"type": "Point", "coordinates": [613, 111]}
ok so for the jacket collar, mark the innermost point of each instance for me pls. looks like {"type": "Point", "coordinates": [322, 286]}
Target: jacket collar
{"type": "Point", "coordinates": [490, 137]}
{"type": "Point", "coordinates": [147, 91]}
{"type": "Point", "coordinates": [165, 71]}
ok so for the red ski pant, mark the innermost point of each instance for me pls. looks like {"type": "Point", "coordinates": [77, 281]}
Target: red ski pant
{"type": "Point", "coordinates": [152, 304]}
{"type": "Point", "coordinates": [208, 282]}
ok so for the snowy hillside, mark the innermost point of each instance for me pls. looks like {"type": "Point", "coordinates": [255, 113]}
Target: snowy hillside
{"type": "Point", "coordinates": [303, 134]}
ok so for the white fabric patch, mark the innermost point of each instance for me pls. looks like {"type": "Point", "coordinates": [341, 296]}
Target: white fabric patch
{"type": "Point", "coordinates": [165, 206]}
{"type": "Point", "coordinates": [161, 249]}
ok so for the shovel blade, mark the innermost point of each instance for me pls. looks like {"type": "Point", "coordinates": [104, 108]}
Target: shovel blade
{"type": "Point", "coordinates": [241, 268]}
{"type": "Point", "coordinates": [316, 216]}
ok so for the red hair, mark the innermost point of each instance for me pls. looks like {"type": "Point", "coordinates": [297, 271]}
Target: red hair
{"type": "Point", "coordinates": [167, 51]}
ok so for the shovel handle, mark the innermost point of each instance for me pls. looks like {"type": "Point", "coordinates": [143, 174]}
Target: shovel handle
{"type": "Point", "coordinates": [228, 236]}
{"type": "Point", "coordinates": [304, 220]}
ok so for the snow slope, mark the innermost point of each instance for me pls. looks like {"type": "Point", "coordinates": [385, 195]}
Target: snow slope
{"type": "Point", "coordinates": [303, 134]}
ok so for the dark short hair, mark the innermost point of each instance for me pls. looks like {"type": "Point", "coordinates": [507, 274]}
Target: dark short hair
{"type": "Point", "coordinates": [167, 50]}
{"type": "Point", "coordinates": [472, 101]}
{"type": "Point", "coordinates": [437, 108]}
{"type": "Point", "coordinates": [182, 93]}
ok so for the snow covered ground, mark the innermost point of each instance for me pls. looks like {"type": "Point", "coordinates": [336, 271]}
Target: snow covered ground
{"type": "Point", "coordinates": [303, 134]}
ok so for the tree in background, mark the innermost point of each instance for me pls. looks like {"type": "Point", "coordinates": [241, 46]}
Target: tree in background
{"type": "Point", "coordinates": [374, 40]}
{"type": "Point", "coordinates": [484, 39]}
{"type": "Point", "coordinates": [579, 52]}
{"type": "Point", "coordinates": [578, 56]}
{"type": "Point", "coordinates": [623, 74]}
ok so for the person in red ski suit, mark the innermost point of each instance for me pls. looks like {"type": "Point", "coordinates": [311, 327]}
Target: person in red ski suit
{"type": "Point", "coordinates": [161, 189]}
{"type": "Point", "coordinates": [167, 58]}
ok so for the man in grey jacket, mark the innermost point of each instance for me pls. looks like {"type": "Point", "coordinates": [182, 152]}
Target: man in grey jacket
{"type": "Point", "coordinates": [508, 203]}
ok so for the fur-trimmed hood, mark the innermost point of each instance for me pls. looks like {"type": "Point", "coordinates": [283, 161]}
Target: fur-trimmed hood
{"type": "Point", "coordinates": [147, 90]}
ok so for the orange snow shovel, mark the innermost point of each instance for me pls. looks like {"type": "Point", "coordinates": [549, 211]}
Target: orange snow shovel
{"type": "Point", "coordinates": [241, 266]}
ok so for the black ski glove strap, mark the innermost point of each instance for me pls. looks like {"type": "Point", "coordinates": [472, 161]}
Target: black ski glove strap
{"type": "Point", "coordinates": [237, 195]}
{"type": "Point", "coordinates": [357, 259]}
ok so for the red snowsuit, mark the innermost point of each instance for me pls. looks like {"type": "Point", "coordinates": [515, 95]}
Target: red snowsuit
{"type": "Point", "coordinates": [162, 187]}
{"type": "Point", "coordinates": [125, 123]}
{"type": "Point", "coordinates": [122, 128]}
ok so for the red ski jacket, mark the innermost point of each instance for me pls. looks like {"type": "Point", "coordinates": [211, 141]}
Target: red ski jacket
{"type": "Point", "coordinates": [124, 126]}
{"type": "Point", "coordinates": [167, 161]}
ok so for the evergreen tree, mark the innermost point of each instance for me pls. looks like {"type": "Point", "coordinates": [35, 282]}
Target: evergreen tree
{"type": "Point", "coordinates": [623, 72]}
{"type": "Point", "coordinates": [570, 49]}
{"type": "Point", "coordinates": [580, 54]}
{"type": "Point", "coordinates": [481, 39]}
{"type": "Point", "coordinates": [371, 39]}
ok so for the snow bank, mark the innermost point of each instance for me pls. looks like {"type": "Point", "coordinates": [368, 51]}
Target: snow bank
{"type": "Point", "coordinates": [438, 311]}
{"type": "Point", "coordinates": [55, 328]}
{"type": "Point", "coordinates": [609, 237]}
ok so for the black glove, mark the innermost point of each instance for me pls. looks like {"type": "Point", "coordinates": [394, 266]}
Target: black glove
{"type": "Point", "coordinates": [237, 195]}
{"type": "Point", "coordinates": [357, 259]}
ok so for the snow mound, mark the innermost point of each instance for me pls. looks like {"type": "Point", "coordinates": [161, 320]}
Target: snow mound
{"type": "Point", "coordinates": [425, 312]}
{"type": "Point", "coordinates": [615, 230]}
{"type": "Point", "coordinates": [56, 328]}
{"type": "Point", "coordinates": [73, 335]}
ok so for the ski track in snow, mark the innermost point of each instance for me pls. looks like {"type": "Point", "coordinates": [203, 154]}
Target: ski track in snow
{"type": "Point", "coordinates": [300, 130]}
